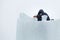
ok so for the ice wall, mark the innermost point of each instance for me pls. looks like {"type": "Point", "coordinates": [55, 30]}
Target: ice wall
{"type": "Point", "coordinates": [30, 29]}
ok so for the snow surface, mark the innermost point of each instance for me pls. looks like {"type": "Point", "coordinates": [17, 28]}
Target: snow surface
{"type": "Point", "coordinates": [31, 29]}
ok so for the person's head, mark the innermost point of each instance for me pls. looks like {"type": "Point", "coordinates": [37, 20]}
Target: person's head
{"type": "Point", "coordinates": [41, 10]}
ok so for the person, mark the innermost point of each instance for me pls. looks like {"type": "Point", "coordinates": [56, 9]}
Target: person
{"type": "Point", "coordinates": [40, 14]}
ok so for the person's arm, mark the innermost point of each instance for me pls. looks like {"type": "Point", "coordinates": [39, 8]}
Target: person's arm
{"type": "Point", "coordinates": [34, 16]}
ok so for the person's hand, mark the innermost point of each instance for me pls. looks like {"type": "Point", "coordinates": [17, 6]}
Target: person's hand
{"type": "Point", "coordinates": [34, 16]}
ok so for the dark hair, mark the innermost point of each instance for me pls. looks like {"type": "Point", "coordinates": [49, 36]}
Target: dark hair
{"type": "Point", "coordinates": [40, 11]}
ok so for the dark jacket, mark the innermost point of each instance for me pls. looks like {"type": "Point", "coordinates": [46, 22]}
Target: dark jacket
{"type": "Point", "coordinates": [40, 13]}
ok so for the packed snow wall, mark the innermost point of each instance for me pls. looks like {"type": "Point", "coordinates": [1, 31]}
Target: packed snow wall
{"type": "Point", "coordinates": [31, 29]}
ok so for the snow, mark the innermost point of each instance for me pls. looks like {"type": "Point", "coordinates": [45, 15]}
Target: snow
{"type": "Point", "coordinates": [30, 29]}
